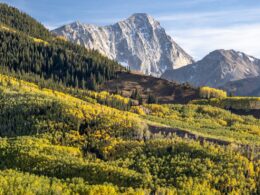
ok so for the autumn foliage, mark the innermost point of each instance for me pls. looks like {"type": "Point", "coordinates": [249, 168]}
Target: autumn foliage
{"type": "Point", "coordinates": [208, 92]}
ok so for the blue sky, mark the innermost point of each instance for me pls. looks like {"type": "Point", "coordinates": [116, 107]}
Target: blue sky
{"type": "Point", "coordinates": [198, 26]}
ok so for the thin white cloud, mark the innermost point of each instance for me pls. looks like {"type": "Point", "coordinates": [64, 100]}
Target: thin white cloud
{"type": "Point", "coordinates": [200, 41]}
{"type": "Point", "coordinates": [52, 26]}
{"type": "Point", "coordinates": [194, 2]}
{"type": "Point", "coordinates": [202, 32]}
{"type": "Point", "coordinates": [221, 16]}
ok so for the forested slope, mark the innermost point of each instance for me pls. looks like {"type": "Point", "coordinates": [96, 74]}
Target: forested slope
{"type": "Point", "coordinates": [29, 51]}
{"type": "Point", "coordinates": [58, 64]}
{"type": "Point", "coordinates": [56, 137]}
{"type": "Point", "coordinates": [12, 17]}
{"type": "Point", "coordinates": [49, 133]}
{"type": "Point", "coordinates": [58, 61]}
{"type": "Point", "coordinates": [206, 121]}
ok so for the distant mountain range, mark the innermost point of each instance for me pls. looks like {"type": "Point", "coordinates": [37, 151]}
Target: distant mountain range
{"type": "Point", "coordinates": [142, 44]}
{"type": "Point", "coordinates": [138, 42]}
{"type": "Point", "coordinates": [217, 69]}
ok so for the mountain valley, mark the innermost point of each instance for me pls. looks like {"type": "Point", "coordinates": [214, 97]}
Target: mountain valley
{"type": "Point", "coordinates": [75, 120]}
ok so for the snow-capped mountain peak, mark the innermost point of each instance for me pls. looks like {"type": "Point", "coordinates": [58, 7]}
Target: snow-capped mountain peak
{"type": "Point", "coordinates": [138, 42]}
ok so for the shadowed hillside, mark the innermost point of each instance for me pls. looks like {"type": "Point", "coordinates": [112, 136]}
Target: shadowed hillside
{"type": "Point", "coordinates": [244, 87]}
{"type": "Point", "coordinates": [165, 91]}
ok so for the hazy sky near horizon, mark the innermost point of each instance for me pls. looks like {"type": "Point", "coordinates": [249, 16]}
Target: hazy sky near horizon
{"type": "Point", "coordinates": [198, 26]}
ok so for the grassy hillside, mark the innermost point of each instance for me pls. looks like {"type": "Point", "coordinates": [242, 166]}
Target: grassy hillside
{"type": "Point", "coordinates": [52, 134]}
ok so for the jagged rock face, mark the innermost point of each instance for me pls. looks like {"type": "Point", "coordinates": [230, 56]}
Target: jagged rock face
{"type": "Point", "coordinates": [217, 69]}
{"type": "Point", "coordinates": [138, 42]}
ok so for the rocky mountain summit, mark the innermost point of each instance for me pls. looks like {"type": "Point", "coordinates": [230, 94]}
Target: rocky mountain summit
{"type": "Point", "coordinates": [216, 69]}
{"type": "Point", "coordinates": [138, 42]}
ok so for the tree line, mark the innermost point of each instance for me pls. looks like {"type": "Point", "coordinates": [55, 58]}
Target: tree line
{"type": "Point", "coordinates": [57, 61]}
{"type": "Point", "coordinates": [20, 21]}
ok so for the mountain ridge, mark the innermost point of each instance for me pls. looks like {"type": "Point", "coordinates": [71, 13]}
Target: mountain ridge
{"type": "Point", "coordinates": [216, 69]}
{"type": "Point", "coordinates": [138, 42]}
